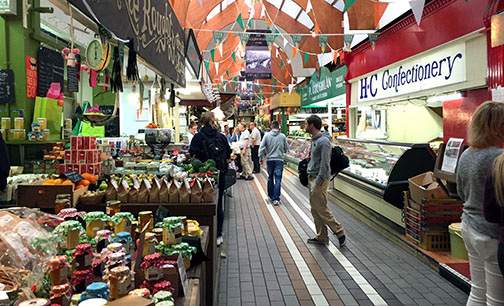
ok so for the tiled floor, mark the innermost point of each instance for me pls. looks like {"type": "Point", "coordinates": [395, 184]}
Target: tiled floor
{"type": "Point", "coordinates": [269, 262]}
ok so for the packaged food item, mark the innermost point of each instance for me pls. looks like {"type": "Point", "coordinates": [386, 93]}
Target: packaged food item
{"type": "Point", "coordinates": [61, 294]}
{"type": "Point", "coordinates": [158, 231]}
{"type": "Point", "coordinates": [133, 192]}
{"type": "Point", "coordinates": [185, 192]}
{"type": "Point", "coordinates": [144, 218]}
{"type": "Point", "coordinates": [174, 190]}
{"type": "Point", "coordinates": [17, 135]}
{"type": "Point", "coordinates": [43, 123]}
{"type": "Point", "coordinates": [164, 192]}
{"type": "Point", "coordinates": [172, 230]}
{"type": "Point", "coordinates": [83, 256]}
{"type": "Point", "coordinates": [123, 191]}
{"type": "Point", "coordinates": [47, 134]}
{"type": "Point", "coordinates": [95, 221]}
{"type": "Point", "coordinates": [208, 191]}
{"type": "Point", "coordinates": [196, 191]}
{"type": "Point", "coordinates": [95, 290]}
{"type": "Point", "coordinates": [125, 239]}
{"type": "Point", "coordinates": [19, 123]}
{"type": "Point", "coordinates": [5, 134]}
{"type": "Point", "coordinates": [153, 267]}
{"type": "Point", "coordinates": [102, 240]}
{"type": "Point", "coordinates": [141, 292]}
{"type": "Point", "coordinates": [58, 270]}
{"type": "Point", "coordinates": [70, 231]}
{"type": "Point", "coordinates": [112, 188]}
{"type": "Point", "coordinates": [120, 282]}
{"type": "Point", "coordinates": [35, 302]}
{"type": "Point", "coordinates": [123, 222]}
{"type": "Point", "coordinates": [94, 302]}
{"type": "Point", "coordinates": [154, 194]}
{"type": "Point", "coordinates": [113, 207]}
{"type": "Point", "coordinates": [81, 279]}
{"type": "Point", "coordinates": [163, 296]}
{"type": "Point", "coordinates": [6, 123]}
{"type": "Point", "coordinates": [149, 244]}
{"type": "Point", "coordinates": [144, 190]}
{"type": "Point", "coordinates": [67, 124]}
{"type": "Point", "coordinates": [62, 201]}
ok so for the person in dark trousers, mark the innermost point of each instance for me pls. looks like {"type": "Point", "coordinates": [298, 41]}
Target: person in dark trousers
{"type": "Point", "coordinates": [198, 150]}
{"type": "Point", "coordinates": [256, 138]}
{"type": "Point", "coordinates": [4, 164]}
{"type": "Point", "coordinates": [274, 144]}
{"type": "Point", "coordinates": [319, 176]}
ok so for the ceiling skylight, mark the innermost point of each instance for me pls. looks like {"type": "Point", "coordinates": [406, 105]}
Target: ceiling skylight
{"type": "Point", "coordinates": [305, 20]}
{"type": "Point", "coordinates": [214, 12]}
{"type": "Point", "coordinates": [226, 3]}
{"type": "Point", "coordinates": [276, 3]}
{"type": "Point", "coordinates": [291, 8]}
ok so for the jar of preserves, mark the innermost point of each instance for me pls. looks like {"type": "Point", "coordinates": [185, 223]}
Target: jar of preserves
{"type": "Point", "coordinates": [58, 270]}
{"type": "Point", "coordinates": [95, 221]}
{"type": "Point", "coordinates": [150, 243]}
{"type": "Point", "coordinates": [119, 281]}
{"type": "Point", "coordinates": [19, 123]}
{"type": "Point", "coordinates": [123, 222]}
{"type": "Point", "coordinates": [83, 256]}
{"type": "Point", "coordinates": [6, 123]}
{"type": "Point", "coordinates": [70, 232]}
{"type": "Point", "coordinates": [61, 294]}
{"type": "Point", "coordinates": [113, 207]}
{"type": "Point", "coordinates": [144, 218]}
{"type": "Point", "coordinates": [81, 279]}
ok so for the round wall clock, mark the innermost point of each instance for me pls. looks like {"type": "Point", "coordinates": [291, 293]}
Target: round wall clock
{"type": "Point", "coordinates": [98, 55]}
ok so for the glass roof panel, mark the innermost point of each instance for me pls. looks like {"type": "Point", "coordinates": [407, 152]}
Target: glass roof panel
{"type": "Point", "coordinates": [291, 8]}
{"type": "Point", "coordinates": [214, 12]}
{"type": "Point", "coordinates": [305, 20]}
{"type": "Point", "coordinates": [276, 3]}
{"type": "Point", "coordinates": [226, 3]}
{"type": "Point", "coordinates": [329, 1]}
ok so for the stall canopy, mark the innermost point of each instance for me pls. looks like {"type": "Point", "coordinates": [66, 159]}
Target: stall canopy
{"type": "Point", "coordinates": [322, 87]}
{"type": "Point", "coordinates": [152, 25]}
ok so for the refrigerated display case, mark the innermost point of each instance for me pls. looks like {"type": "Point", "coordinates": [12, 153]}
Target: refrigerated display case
{"type": "Point", "coordinates": [299, 149]}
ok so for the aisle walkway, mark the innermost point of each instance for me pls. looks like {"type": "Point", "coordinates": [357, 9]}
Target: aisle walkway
{"type": "Point", "coordinates": [269, 262]}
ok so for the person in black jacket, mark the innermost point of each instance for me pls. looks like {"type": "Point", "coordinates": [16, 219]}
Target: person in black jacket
{"type": "Point", "coordinates": [197, 150]}
{"type": "Point", "coordinates": [4, 164]}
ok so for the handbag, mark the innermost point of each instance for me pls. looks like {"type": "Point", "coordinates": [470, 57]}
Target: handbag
{"type": "Point", "coordinates": [303, 172]}
{"type": "Point", "coordinates": [51, 110]}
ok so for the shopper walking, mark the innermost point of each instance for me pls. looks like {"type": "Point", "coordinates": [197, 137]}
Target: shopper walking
{"type": "Point", "coordinates": [193, 129]}
{"type": "Point", "coordinates": [319, 173]}
{"type": "Point", "coordinates": [274, 145]}
{"type": "Point", "coordinates": [235, 147]}
{"type": "Point", "coordinates": [485, 135]}
{"type": "Point", "coordinates": [210, 144]}
{"type": "Point", "coordinates": [4, 164]}
{"type": "Point", "coordinates": [245, 152]}
{"type": "Point", "coordinates": [255, 143]}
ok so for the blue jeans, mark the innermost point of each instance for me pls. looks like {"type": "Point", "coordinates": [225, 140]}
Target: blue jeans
{"type": "Point", "coordinates": [275, 169]}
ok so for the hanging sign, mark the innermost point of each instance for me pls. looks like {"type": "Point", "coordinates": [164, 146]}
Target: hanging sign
{"type": "Point", "coordinates": [50, 69]}
{"type": "Point", "coordinates": [257, 56]}
{"type": "Point", "coordinates": [8, 7]}
{"type": "Point", "coordinates": [326, 86]}
{"type": "Point", "coordinates": [441, 68]}
{"type": "Point", "coordinates": [159, 38]}
{"type": "Point", "coordinates": [31, 77]}
{"type": "Point", "coordinates": [6, 86]}
{"type": "Point", "coordinates": [193, 53]}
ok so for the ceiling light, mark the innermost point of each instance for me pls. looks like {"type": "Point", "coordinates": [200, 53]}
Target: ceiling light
{"type": "Point", "coordinates": [446, 97]}
{"type": "Point", "coordinates": [219, 114]}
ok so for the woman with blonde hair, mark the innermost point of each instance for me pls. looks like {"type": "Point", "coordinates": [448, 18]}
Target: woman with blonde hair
{"type": "Point", "coordinates": [485, 136]}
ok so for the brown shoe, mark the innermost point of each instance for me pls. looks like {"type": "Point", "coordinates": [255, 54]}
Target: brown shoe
{"type": "Point", "coordinates": [250, 178]}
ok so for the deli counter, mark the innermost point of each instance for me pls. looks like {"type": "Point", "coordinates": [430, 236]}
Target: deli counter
{"type": "Point", "coordinates": [379, 168]}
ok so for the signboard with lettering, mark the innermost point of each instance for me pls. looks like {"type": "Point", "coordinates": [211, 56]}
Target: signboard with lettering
{"type": "Point", "coordinates": [73, 176]}
{"type": "Point", "coordinates": [441, 68]}
{"type": "Point", "coordinates": [8, 7]}
{"type": "Point", "coordinates": [158, 37]}
{"type": "Point", "coordinates": [50, 69]}
{"type": "Point", "coordinates": [6, 86]}
{"type": "Point", "coordinates": [193, 53]}
{"type": "Point", "coordinates": [257, 56]}
{"type": "Point", "coordinates": [31, 77]}
{"type": "Point", "coordinates": [326, 86]}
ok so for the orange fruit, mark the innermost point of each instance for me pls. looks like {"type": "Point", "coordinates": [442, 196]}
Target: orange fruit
{"type": "Point", "coordinates": [93, 179]}
{"type": "Point", "coordinates": [48, 182]}
{"type": "Point", "coordinates": [79, 187]}
{"type": "Point", "coordinates": [84, 182]}
{"type": "Point", "coordinates": [67, 182]}
{"type": "Point", "coordinates": [58, 181]}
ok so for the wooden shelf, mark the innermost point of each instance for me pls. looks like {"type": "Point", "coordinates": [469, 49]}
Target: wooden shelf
{"type": "Point", "coordinates": [26, 142]}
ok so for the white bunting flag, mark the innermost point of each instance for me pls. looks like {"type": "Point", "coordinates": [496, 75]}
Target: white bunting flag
{"type": "Point", "coordinates": [200, 3]}
{"type": "Point", "coordinates": [276, 52]}
{"type": "Point", "coordinates": [291, 86]}
{"type": "Point", "coordinates": [417, 7]}
{"type": "Point", "coordinates": [221, 45]}
{"type": "Point", "coordinates": [285, 42]}
{"type": "Point", "coordinates": [340, 5]}
{"type": "Point", "coordinates": [308, 7]}
{"type": "Point", "coordinates": [262, 11]}
{"type": "Point", "coordinates": [216, 67]}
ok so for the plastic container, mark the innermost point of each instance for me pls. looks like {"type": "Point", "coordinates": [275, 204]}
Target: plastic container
{"type": "Point", "coordinates": [6, 123]}
{"type": "Point", "coordinates": [17, 135]}
{"type": "Point", "coordinates": [18, 123]}
{"type": "Point", "coordinates": [457, 246]}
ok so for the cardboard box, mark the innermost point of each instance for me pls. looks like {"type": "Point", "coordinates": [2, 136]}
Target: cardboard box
{"type": "Point", "coordinates": [44, 196]}
{"type": "Point", "coordinates": [68, 167]}
{"type": "Point", "coordinates": [131, 300]}
{"type": "Point", "coordinates": [68, 155]}
{"type": "Point", "coordinates": [74, 157]}
{"type": "Point", "coordinates": [81, 156]}
{"type": "Point", "coordinates": [76, 143]}
{"type": "Point", "coordinates": [62, 168]}
{"type": "Point", "coordinates": [82, 168]}
{"type": "Point", "coordinates": [424, 186]}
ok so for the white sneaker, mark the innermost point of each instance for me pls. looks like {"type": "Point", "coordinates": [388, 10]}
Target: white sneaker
{"type": "Point", "coordinates": [219, 241]}
{"type": "Point", "coordinates": [276, 202]}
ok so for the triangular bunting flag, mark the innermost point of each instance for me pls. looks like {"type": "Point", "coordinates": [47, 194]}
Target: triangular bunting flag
{"type": "Point", "coordinates": [233, 55]}
{"type": "Point", "coordinates": [274, 81]}
{"type": "Point", "coordinates": [306, 57]}
{"type": "Point", "coordinates": [291, 86]}
{"type": "Point", "coordinates": [285, 42]}
{"type": "Point", "coordinates": [268, 23]}
{"type": "Point", "coordinates": [227, 73]}
{"type": "Point", "coordinates": [218, 87]}
{"type": "Point", "coordinates": [218, 36]}
{"type": "Point", "coordinates": [286, 73]}
{"type": "Point", "coordinates": [216, 67]}
{"type": "Point", "coordinates": [276, 33]}
{"type": "Point", "coordinates": [220, 47]}
{"type": "Point", "coordinates": [281, 63]}
{"type": "Point", "coordinates": [296, 39]}
{"type": "Point", "coordinates": [379, 10]}
{"type": "Point", "coordinates": [294, 52]}
{"type": "Point", "coordinates": [222, 79]}
{"type": "Point", "coordinates": [248, 3]}
{"type": "Point", "coordinates": [308, 7]}
{"type": "Point", "coordinates": [200, 3]}
{"type": "Point", "coordinates": [262, 11]}
{"type": "Point", "coordinates": [230, 36]}
{"type": "Point", "coordinates": [249, 23]}
{"type": "Point", "coordinates": [348, 4]}
{"type": "Point", "coordinates": [347, 40]}
{"type": "Point", "coordinates": [276, 52]}
{"type": "Point", "coordinates": [373, 38]}
{"type": "Point", "coordinates": [212, 54]}
{"type": "Point", "coordinates": [239, 20]}
{"type": "Point", "coordinates": [335, 56]}
{"type": "Point", "coordinates": [269, 47]}
{"type": "Point", "coordinates": [244, 37]}
{"type": "Point", "coordinates": [340, 5]}
{"type": "Point", "coordinates": [417, 7]}
{"type": "Point", "coordinates": [207, 64]}
{"type": "Point", "coordinates": [316, 28]}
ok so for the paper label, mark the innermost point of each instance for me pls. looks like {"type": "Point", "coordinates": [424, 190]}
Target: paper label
{"type": "Point", "coordinates": [152, 273]}
{"type": "Point", "coordinates": [122, 287]}
{"type": "Point", "coordinates": [87, 260]}
{"type": "Point", "coordinates": [151, 248]}
{"type": "Point", "coordinates": [107, 210]}
{"type": "Point", "coordinates": [4, 220]}
{"type": "Point", "coordinates": [63, 273]}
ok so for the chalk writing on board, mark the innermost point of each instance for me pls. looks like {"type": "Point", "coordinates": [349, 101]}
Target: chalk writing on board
{"type": "Point", "coordinates": [6, 86]}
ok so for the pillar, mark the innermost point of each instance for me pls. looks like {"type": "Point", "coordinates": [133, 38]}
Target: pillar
{"type": "Point", "coordinates": [284, 121]}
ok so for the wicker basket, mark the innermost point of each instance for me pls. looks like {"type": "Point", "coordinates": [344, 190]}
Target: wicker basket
{"type": "Point", "coordinates": [94, 199]}
{"type": "Point", "coordinates": [11, 277]}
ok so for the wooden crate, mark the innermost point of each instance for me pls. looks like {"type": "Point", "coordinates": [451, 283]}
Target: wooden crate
{"type": "Point", "coordinates": [439, 241]}
{"type": "Point", "coordinates": [44, 196]}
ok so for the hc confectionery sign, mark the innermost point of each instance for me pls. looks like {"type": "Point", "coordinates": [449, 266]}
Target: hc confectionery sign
{"type": "Point", "coordinates": [152, 24]}
{"type": "Point", "coordinates": [441, 68]}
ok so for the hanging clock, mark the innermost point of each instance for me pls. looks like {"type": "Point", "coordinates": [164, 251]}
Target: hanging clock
{"type": "Point", "coordinates": [98, 54]}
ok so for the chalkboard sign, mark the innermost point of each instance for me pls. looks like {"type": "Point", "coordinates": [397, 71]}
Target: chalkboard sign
{"type": "Point", "coordinates": [6, 86]}
{"type": "Point", "coordinates": [111, 129]}
{"type": "Point", "coordinates": [50, 70]}
{"type": "Point", "coordinates": [73, 76]}
{"type": "Point", "coordinates": [73, 176]}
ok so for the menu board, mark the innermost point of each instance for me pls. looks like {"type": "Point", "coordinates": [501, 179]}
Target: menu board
{"type": "Point", "coordinates": [73, 81]}
{"type": "Point", "coordinates": [6, 86]}
{"type": "Point", "coordinates": [50, 70]}
{"type": "Point", "coordinates": [112, 128]}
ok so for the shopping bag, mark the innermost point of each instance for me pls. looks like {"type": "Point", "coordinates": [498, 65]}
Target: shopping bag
{"type": "Point", "coordinates": [51, 110]}
{"type": "Point", "coordinates": [89, 130]}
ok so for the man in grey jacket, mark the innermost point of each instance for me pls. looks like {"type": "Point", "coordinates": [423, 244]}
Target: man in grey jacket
{"type": "Point", "coordinates": [319, 174]}
{"type": "Point", "coordinates": [274, 145]}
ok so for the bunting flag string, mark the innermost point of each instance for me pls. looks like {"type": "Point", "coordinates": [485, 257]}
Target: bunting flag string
{"type": "Point", "coordinates": [306, 57]}
{"type": "Point", "coordinates": [373, 38]}
{"type": "Point", "coordinates": [417, 7]}
{"type": "Point", "coordinates": [348, 4]}
{"type": "Point", "coordinates": [347, 40]}
{"type": "Point", "coordinates": [296, 39]}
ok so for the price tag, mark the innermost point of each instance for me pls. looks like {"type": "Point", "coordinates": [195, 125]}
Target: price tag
{"type": "Point", "coordinates": [73, 176]}
{"type": "Point", "coordinates": [182, 273]}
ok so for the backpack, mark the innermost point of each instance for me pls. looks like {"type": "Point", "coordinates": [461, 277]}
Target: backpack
{"type": "Point", "coordinates": [339, 161]}
{"type": "Point", "coordinates": [302, 171]}
{"type": "Point", "coordinates": [215, 149]}
{"type": "Point", "coordinates": [262, 134]}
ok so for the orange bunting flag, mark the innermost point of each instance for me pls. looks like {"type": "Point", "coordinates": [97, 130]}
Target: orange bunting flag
{"type": "Point", "coordinates": [230, 36]}
{"type": "Point", "coordinates": [335, 59]}
{"type": "Point", "coordinates": [316, 30]}
{"type": "Point", "coordinates": [269, 23]}
{"type": "Point", "coordinates": [286, 73]}
{"type": "Point", "coordinates": [294, 52]}
{"type": "Point", "coordinates": [269, 47]}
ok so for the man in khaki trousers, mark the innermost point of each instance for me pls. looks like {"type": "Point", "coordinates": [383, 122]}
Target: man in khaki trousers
{"type": "Point", "coordinates": [245, 152]}
{"type": "Point", "coordinates": [319, 173]}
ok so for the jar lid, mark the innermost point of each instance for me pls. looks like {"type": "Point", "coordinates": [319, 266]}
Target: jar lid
{"type": "Point", "coordinates": [63, 196]}
{"type": "Point", "coordinates": [85, 247]}
{"type": "Point", "coordinates": [157, 230]}
{"type": "Point", "coordinates": [113, 202]}
{"type": "Point", "coordinates": [58, 289]}
{"type": "Point", "coordinates": [75, 298]}
{"type": "Point", "coordinates": [145, 213]}
{"type": "Point", "coordinates": [35, 302]}
{"type": "Point", "coordinates": [97, 287]}
{"type": "Point", "coordinates": [144, 292]}
{"type": "Point", "coordinates": [57, 260]}
{"type": "Point", "coordinates": [79, 273]}
{"type": "Point", "coordinates": [152, 257]}
{"type": "Point", "coordinates": [162, 296]}
{"type": "Point", "coordinates": [150, 236]}
{"type": "Point", "coordinates": [103, 233]}
{"type": "Point", "coordinates": [116, 256]}
{"type": "Point", "coordinates": [165, 303]}
{"type": "Point", "coordinates": [93, 302]}
{"type": "Point", "coordinates": [114, 247]}
{"type": "Point", "coordinates": [118, 272]}
{"type": "Point", "coordinates": [123, 235]}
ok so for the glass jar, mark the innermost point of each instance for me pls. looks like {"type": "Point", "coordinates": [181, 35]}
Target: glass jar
{"type": "Point", "coordinates": [61, 294]}
{"type": "Point", "coordinates": [4, 134]}
{"type": "Point", "coordinates": [58, 270]}
{"type": "Point", "coordinates": [43, 123]}
{"type": "Point", "coordinates": [144, 218]}
{"type": "Point", "coordinates": [47, 134]}
{"type": "Point", "coordinates": [149, 246]}
{"type": "Point", "coordinates": [19, 123]}
{"type": "Point", "coordinates": [6, 123]}
{"type": "Point", "coordinates": [125, 239]}
{"type": "Point", "coordinates": [60, 205]}
{"type": "Point", "coordinates": [68, 124]}
{"type": "Point", "coordinates": [17, 135]}
{"type": "Point", "coordinates": [119, 281]}
{"type": "Point", "coordinates": [153, 267]}
{"type": "Point", "coordinates": [123, 222]}
{"type": "Point", "coordinates": [144, 292]}
{"type": "Point", "coordinates": [81, 279]}
{"type": "Point", "coordinates": [83, 256]}
{"type": "Point", "coordinates": [113, 207]}
{"type": "Point", "coordinates": [158, 231]}
{"type": "Point", "coordinates": [97, 290]}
